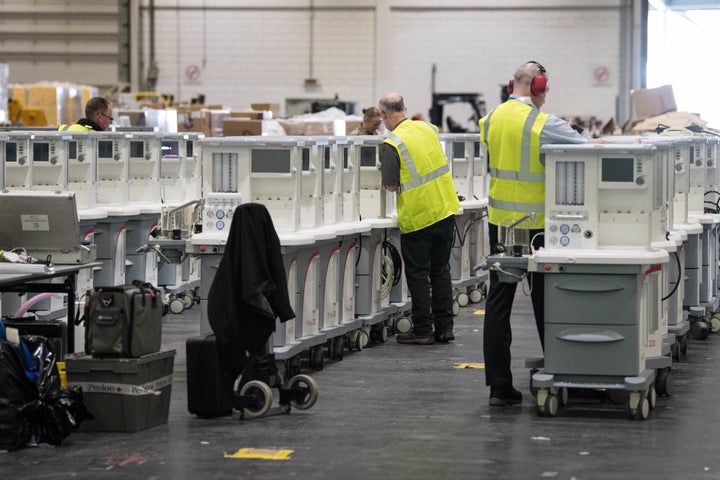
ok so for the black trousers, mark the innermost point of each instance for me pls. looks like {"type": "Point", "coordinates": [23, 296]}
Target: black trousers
{"type": "Point", "coordinates": [426, 257]}
{"type": "Point", "coordinates": [497, 333]}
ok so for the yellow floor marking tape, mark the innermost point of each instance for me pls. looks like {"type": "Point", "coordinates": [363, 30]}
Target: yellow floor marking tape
{"type": "Point", "coordinates": [479, 312]}
{"type": "Point", "coordinates": [263, 453]}
{"type": "Point", "coordinates": [469, 365]}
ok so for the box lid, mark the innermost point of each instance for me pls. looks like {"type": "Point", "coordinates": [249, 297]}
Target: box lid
{"type": "Point", "coordinates": [43, 223]}
{"type": "Point", "coordinates": [82, 363]}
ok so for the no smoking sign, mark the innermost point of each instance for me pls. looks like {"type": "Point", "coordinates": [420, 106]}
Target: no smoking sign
{"type": "Point", "coordinates": [192, 73]}
{"type": "Point", "coordinates": [601, 75]}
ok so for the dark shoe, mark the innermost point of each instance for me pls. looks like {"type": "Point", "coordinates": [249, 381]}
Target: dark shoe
{"type": "Point", "coordinates": [444, 337]}
{"type": "Point", "coordinates": [411, 339]}
{"type": "Point", "coordinates": [503, 396]}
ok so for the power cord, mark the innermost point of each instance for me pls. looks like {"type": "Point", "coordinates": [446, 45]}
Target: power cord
{"type": "Point", "coordinates": [391, 268]}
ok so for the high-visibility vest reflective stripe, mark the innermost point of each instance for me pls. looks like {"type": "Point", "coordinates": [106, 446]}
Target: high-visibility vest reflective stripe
{"type": "Point", "coordinates": [74, 128]}
{"type": "Point", "coordinates": [426, 193]}
{"type": "Point", "coordinates": [517, 175]}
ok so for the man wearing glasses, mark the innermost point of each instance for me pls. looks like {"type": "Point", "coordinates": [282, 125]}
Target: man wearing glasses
{"type": "Point", "coordinates": [98, 117]}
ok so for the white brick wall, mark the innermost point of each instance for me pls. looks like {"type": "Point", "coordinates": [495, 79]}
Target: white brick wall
{"type": "Point", "coordinates": [261, 51]}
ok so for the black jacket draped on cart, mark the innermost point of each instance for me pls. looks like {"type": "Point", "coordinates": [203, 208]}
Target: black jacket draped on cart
{"type": "Point", "coordinates": [249, 290]}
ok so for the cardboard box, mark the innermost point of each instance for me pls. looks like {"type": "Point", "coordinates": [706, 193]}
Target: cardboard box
{"type": "Point", "coordinates": [254, 114]}
{"type": "Point", "coordinates": [273, 107]}
{"type": "Point", "coordinates": [651, 102]}
{"type": "Point", "coordinates": [124, 394]}
{"type": "Point", "coordinates": [217, 119]}
{"type": "Point", "coordinates": [670, 119]}
{"type": "Point", "coordinates": [238, 127]}
{"type": "Point", "coordinates": [193, 120]}
{"type": "Point", "coordinates": [293, 127]}
{"type": "Point", "coordinates": [138, 118]}
{"type": "Point", "coordinates": [319, 127]}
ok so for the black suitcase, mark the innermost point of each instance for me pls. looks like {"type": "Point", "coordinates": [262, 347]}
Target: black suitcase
{"type": "Point", "coordinates": [208, 395]}
{"type": "Point", "coordinates": [54, 330]}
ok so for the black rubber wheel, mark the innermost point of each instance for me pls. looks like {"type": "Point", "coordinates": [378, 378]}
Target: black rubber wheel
{"type": "Point", "coordinates": [338, 348]}
{"type": "Point", "coordinates": [675, 351]}
{"type": "Point", "coordinates": [262, 398]}
{"type": "Point", "coordinates": [309, 391]}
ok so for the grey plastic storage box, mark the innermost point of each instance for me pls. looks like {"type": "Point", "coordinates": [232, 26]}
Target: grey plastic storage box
{"type": "Point", "coordinates": [124, 394]}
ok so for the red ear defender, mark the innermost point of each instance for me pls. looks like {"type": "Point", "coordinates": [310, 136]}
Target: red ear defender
{"type": "Point", "coordinates": [510, 87]}
{"type": "Point", "coordinates": [538, 85]}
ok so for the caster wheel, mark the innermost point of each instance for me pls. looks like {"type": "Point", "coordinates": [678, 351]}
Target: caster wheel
{"type": "Point", "coordinates": [352, 340]}
{"type": "Point", "coordinates": [664, 382]}
{"type": "Point", "coordinates": [715, 324]}
{"type": "Point", "coordinates": [639, 405]}
{"type": "Point", "coordinates": [262, 398]}
{"type": "Point", "coordinates": [704, 330]}
{"type": "Point", "coordinates": [456, 308]}
{"type": "Point", "coordinates": [546, 403]}
{"type": "Point", "coordinates": [475, 295]}
{"type": "Point", "coordinates": [177, 305]}
{"type": "Point", "coordinates": [403, 325]}
{"type": "Point", "coordinates": [562, 396]}
{"type": "Point", "coordinates": [551, 405]}
{"type": "Point", "coordinates": [187, 299]}
{"type": "Point", "coordinates": [338, 347]}
{"type": "Point", "coordinates": [165, 309]}
{"type": "Point", "coordinates": [462, 299]}
{"type": "Point", "coordinates": [357, 340]}
{"type": "Point", "coordinates": [308, 391]}
{"type": "Point", "coordinates": [379, 333]}
{"type": "Point", "coordinates": [317, 357]}
{"type": "Point", "coordinates": [362, 340]}
{"type": "Point", "coordinates": [330, 345]}
{"type": "Point", "coordinates": [652, 397]}
{"type": "Point", "coordinates": [675, 351]}
{"type": "Point", "coordinates": [683, 345]}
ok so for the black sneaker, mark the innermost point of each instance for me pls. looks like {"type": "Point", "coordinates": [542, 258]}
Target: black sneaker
{"type": "Point", "coordinates": [503, 396]}
{"type": "Point", "coordinates": [444, 337]}
{"type": "Point", "coordinates": [411, 339]}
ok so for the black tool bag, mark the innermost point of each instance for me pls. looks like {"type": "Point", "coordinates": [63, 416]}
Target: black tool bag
{"type": "Point", "coordinates": [124, 321]}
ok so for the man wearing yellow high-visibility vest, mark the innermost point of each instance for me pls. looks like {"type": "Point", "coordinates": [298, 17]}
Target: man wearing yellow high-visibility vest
{"type": "Point", "coordinates": [415, 168]}
{"type": "Point", "coordinates": [98, 117]}
{"type": "Point", "coordinates": [513, 133]}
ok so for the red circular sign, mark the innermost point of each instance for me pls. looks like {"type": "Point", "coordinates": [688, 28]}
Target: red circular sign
{"type": "Point", "coordinates": [192, 73]}
{"type": "Point", "coordinates": [601, 74]}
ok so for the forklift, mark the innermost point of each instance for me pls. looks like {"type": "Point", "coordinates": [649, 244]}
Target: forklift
{"type": "Point", "coordinates": [440, 100]}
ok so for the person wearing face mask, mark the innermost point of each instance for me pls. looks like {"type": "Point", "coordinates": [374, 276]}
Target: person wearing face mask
{"type": "Point", "coordinates": [98, 117]}
{"type": "Point", "coordinates": [513, 133]}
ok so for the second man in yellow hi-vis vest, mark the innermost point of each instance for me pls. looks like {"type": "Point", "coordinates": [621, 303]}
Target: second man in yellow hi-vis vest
{"type": "Point", "coordinates": [513, 133]}
{"type": "Point", "coordinates": [98, 117]}
{"type": "Point", "coordinates": [415, 168]}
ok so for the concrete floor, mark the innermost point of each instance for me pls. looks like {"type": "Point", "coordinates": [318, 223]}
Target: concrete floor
{"type": "Point", "coordinates": [407, 412]}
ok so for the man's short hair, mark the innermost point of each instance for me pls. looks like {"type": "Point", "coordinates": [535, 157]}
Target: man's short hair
{"type": "Point", "coordinates": [95, 105]}
{"type": "Point", "coordinates": [393, 104]}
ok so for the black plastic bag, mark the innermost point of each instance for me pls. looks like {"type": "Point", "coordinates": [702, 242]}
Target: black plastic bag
{"type": "Point", "coordinates": [33, 407]}
{"type": "Point", "coordinates": [17, 392]}
{"type": "Point", "coordinates": [58, 414]}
